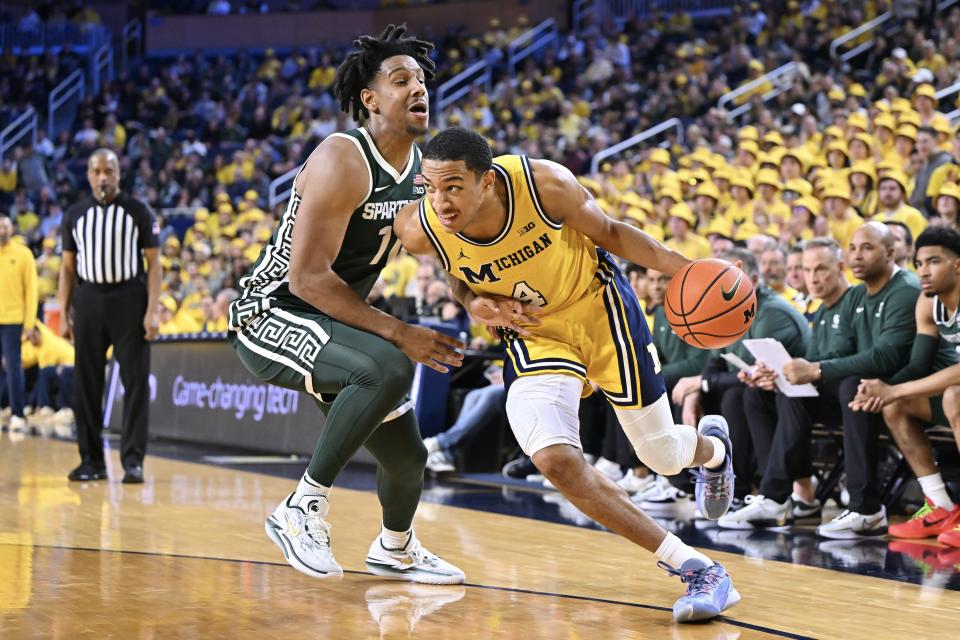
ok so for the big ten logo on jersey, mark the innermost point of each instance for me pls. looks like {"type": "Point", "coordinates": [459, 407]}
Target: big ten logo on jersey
{"type": "Point", "coordinates": [383, 210]}
{"type": "Point", "coordinates": [418, 188]}
{"type": "Point", "coordinates": [525, 228]}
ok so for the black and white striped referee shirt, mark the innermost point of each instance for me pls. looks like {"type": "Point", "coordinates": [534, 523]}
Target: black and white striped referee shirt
{"type": "Point", "coordinates": [109, 240]}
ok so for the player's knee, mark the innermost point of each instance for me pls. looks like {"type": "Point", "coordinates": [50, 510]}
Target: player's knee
{"type": "Point", "coordinates": [668, 453]}
{"type": "Point", "coordinates": [387, 370]}
{"type": "Point", "coordinates": [664, 447]}
{"type": "Point", "coordinates": [561, 464]}
{"type": "Point", "coordinates": [951, 401]}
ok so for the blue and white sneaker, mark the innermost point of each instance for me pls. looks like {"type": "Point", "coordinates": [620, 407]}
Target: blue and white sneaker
{"type": "Point", "coordinates": [710, 590]}
{"type": "Point", "coordinates": [714, 490]}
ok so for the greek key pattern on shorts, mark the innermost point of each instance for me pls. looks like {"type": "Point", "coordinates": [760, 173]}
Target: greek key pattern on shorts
{"type": "Point", "coordinates": [269, 272]}
{"type": "Point", "coordinates": [295, 341]}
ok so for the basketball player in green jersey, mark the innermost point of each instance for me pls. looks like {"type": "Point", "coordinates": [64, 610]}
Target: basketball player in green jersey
{"type": "Point", "coordinates": [301, 321]}
{"type": "Point", "coordinates": [910, 402]}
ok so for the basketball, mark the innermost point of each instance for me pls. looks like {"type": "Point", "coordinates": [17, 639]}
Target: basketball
{"type": "Point", "coordinates": [710, 303]}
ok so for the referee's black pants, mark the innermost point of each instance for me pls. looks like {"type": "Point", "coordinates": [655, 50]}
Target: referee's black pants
{"type": "Point", "coordinates": [789, 455]}
{"type": "Point", "coordinates": [104, 315]}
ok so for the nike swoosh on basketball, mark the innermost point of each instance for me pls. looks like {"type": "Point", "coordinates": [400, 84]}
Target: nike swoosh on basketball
{"type": "Point", "coordinates": [728, 295]}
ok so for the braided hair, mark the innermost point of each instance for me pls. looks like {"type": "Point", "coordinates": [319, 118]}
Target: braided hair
{"type": "Point", "coordinates": [360, 67]}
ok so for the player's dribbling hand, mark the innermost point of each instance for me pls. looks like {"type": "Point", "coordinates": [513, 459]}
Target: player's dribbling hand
{"type": "Point", "coordinates": [429, 347]}
{"type": "Point", "coordinates": [500, 311]}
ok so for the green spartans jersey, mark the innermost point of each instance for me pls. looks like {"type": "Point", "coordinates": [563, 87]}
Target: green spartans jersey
{"type": "Point", "coordinates": [948, 325]}
{"type": "Point", "coordinates": [367, 246]}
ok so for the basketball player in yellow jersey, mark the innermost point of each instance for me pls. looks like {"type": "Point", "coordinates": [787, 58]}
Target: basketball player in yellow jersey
{"type": "Point", "coordinates": [519, 239]}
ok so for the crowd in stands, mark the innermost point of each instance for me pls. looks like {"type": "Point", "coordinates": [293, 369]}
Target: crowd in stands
{"type": "Point", "coordinates": [843, 145]}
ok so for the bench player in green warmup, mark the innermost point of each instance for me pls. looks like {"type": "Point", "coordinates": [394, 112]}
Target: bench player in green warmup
{"type": "Point", "coordinates": [301, 321]}
{"type": "Point", "coordinates": [915, 398]}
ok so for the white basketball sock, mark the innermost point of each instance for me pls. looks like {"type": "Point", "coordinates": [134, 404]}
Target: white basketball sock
{"type": "Point", "coordinates": [934, 488]}
{"type": "Point", "coordinates": [719, 453]}
{"type": "Point", "coordinates": [310, 488]}
{"type": "Point", "coordinates": [395, 539]}
{"type": "Point", "coordinates": [674, 552]}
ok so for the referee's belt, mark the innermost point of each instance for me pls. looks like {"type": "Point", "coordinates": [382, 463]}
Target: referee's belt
{"type": "Point", "coordinates": [111, 286]}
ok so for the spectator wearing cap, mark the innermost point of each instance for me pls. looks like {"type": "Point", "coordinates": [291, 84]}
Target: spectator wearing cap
{"type": "Point", "coordinates": [681, 223]}
{"type": "Point", "coordinates": [904, 140]}
{"type": "Point", "coordinates": [925, 101]}
{"type": "Point", "coordinates": [705, 201]}
{"type": "Point", "coordinates": [720, 235]}
{"type": "Point", "coordinates": [842, 219]}
{"type": "Point", "coordinates": [767, 204]}
{"type": "Point", "coordinates": [892, 192]}
{"type": "Point", "coordinates": [660, 171]}
{"type": "Point", "coordinates": [792, 164]}
{"type": "Point", "coordinates": [948, 206]}
{"type": "Point", "coordinates": [932, 158]}
{"type": "Point", "coordinates": [945, 173]}
{"type": "Point", "coordinates": [740, 209]}
{"type": "Point", "coordinates": [803, 219]}
{"type": "Point", "coordinates": [884, 126]}
{"type": "Point", "coordinates": [862, 178]}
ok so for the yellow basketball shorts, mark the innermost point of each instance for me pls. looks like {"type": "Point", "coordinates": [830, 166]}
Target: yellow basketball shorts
{"type": "Point", "coordinates": [602, 338]}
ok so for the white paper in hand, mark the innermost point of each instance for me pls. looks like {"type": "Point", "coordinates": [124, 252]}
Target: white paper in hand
{"type": "Point", "coordinates": [771, 353]}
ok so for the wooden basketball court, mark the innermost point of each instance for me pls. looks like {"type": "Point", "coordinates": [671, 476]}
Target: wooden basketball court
{"type": "Point", "coordinates": [185, 556]}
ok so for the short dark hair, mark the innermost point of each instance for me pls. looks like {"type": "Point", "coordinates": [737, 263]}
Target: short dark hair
{"type": "Point", "coordinates": [930, 131]}
{"type": "Point", "coordinates": [945, 237]}
{"type": "Point", "coordinates": [633, 267]}
{"type": "Point", "coordinates": [795, 248]}
{"type": "Point", "coordinates": [906, 229]}
{"type": "Point", "coordinates": [750, 265]}
{"type": "Point", "coordinates": [458, 143]}
{"type": "Point", "coordinates": [360, 67]}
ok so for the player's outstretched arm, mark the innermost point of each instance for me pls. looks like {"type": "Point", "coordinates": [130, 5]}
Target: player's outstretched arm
{"type": "Point", "coordinates": [332, 185]}
{"type": "Point", "coordinates": [565, 200]}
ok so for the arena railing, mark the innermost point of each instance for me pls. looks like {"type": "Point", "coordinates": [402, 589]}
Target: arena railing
{"type": "Point", "coordinates": [643, 136]}
{"type": "Point", "coordinates": [479, 73]}
{"type": "Point", "coordinates": [72, 87]}
{"type": "Point", "coordinates": [281, 187]}
{"type": "Point", "coordinates": [131, 37]}
{"type": "Point", "coordinates": [533, 41]}
{"type": "Point", "coordinates": [781, 78]}
{"type": "Point", "coordinates": [869, 27]}
{"type": "Point", "coordinates": [101, 63]}
{"type": "Point", "coordinates": [583, 13]}
{"type": "Point", "coordinates": [946, 92]}
{"type": "Point", "coordinates": [22, 126]}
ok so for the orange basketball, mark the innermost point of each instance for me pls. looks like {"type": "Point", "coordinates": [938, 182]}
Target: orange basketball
{"type": "Point", "coordinates": [710, 303]}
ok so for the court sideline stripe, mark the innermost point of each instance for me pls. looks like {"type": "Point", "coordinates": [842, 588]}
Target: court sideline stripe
{"type": "Point", "coordinates": [730, 621]}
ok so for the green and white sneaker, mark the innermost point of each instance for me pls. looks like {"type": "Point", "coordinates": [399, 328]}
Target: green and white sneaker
{"type": "Point", "coordinates": [304, 536]}
{"type": "Point", "coordinates": [413, 562]}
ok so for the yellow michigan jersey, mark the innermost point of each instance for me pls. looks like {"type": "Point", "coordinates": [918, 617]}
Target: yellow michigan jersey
{"type": "Point", "coordinates": [592, 324]}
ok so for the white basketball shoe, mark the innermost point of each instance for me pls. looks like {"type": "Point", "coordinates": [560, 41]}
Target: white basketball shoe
{"type": "Point", "coordinates": [304, 536]}
{"type": "Point", "coordinates": [413, 562]}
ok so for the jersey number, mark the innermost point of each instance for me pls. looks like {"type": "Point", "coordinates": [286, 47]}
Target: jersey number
{"type": "Point", "coordinates": [387, 233]}
{"type": "Point", "coordinates": [652, 348]}
{"type": "Point", "coordinates": [527, 295]}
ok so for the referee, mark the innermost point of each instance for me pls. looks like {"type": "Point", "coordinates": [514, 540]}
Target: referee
{"type": "Point", "coordinates": [106, 237]}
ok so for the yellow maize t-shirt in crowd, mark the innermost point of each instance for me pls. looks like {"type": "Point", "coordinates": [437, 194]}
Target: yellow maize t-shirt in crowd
{"type": "Point", "coordinates": [18, 285]}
